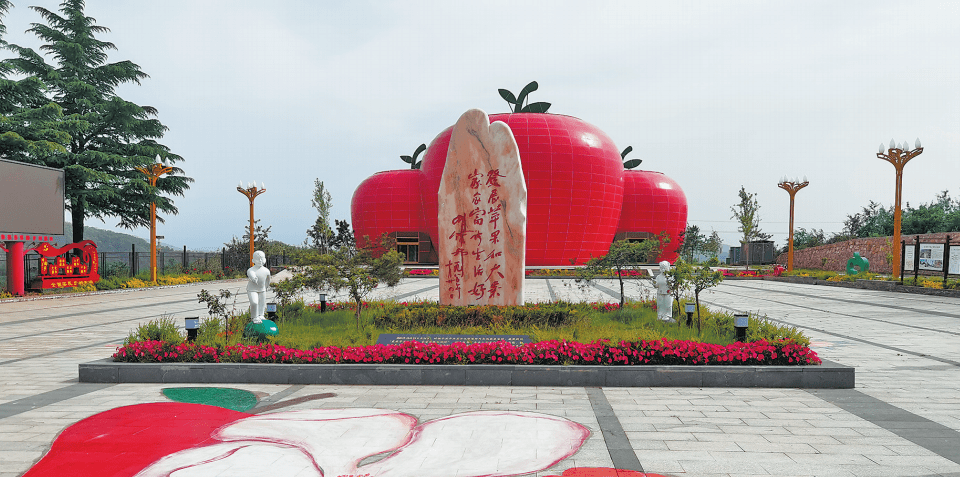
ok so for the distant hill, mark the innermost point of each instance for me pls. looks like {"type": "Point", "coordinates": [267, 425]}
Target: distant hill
{"type": "Point", "coordinates": [108, 241]}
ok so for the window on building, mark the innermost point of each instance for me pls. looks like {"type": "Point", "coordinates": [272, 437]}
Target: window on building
{"type": "Point", "coordinates": [410, 251]}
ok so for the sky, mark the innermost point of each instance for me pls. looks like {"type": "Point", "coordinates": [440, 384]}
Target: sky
{"type": "Point", "coordinates": [717, 95]}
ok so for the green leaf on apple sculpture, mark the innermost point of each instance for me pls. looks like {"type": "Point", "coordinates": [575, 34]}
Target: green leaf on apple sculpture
{"type": "Point", "coordinates": [516, 102]}
{"type": "Point", "coordinates": [632, 162]}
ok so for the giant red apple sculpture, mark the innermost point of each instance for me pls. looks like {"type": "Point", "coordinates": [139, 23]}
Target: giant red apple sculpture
{"type": "Point", "coordinates": [575, 192]}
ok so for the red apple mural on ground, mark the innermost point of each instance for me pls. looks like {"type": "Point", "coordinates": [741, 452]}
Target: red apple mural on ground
{"type": "Point", "coordinates": [579, 196]}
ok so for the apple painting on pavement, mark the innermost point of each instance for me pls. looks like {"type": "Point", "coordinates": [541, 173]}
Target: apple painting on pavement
{"type": "Point", "coordinates": [185, 439]}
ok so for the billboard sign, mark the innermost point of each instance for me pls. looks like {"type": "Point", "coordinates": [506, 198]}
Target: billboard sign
{"type": "Point", "coordinates": [931, 256]}
{"type": "Point", "coordinates": [32, 198]}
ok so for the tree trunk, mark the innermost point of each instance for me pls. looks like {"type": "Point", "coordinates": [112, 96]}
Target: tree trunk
{"type": "Point", "coordinates": [76, 215]}
{"type": "Point", "coordinates": [696, 297]}
{"type": "Point", "coordinates": [357, 315]}
{"type": "Point", "coordinates": [623, 297]}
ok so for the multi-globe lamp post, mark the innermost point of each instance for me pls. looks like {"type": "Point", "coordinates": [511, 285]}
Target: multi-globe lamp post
{"type": "Point", "coordinates": [791, 186]}
{"type": "Point", "coordinates": [251, 192]}
{"type": "Point", "coordinates": [153, 172]}
{"type": "Point", "coordinates": [898, 155]}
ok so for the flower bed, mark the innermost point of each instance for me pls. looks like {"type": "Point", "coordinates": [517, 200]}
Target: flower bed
{"type": "Point", "coordinates": [575, 273]}
{"type": "Point", "coordinates": [600, 353]}
{"type": "Point", "coordinates": [421, 272]}
{"type": "Point", "coordinates": [772, 272]}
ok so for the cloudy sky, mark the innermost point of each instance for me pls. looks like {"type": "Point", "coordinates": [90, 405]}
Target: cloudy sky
{"type": "Point", "coordinates": [716, 95]}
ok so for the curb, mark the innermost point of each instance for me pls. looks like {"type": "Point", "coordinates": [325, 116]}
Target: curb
{"type": "Point", "coordinates": [878, 285]}
{"type": "Point", "coordinates": [829, 375]}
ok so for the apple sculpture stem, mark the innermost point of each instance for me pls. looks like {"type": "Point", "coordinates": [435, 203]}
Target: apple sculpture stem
{"type": "Point", "coordinates": [632, 163]}
{"type": "Point", "coordinates": [412, 160]}
{"type": "Point", "coordinates": [517, 101]}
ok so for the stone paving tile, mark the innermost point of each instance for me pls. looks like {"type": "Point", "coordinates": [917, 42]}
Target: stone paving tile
{"type": "Point", "coordinates": [676, 431]}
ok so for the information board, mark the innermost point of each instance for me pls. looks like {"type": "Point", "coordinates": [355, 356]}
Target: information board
{"type": "Point", "coordinates": [954, 260]}
{"type": "Point", "coordinates": [931, 256]}
{"type": "Point", "coordinates": [908, 258]}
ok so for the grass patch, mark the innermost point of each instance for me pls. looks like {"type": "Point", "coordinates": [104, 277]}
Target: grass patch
{"type": "Point", "coordinates": [305, 328]}
{"type": "Point", "coordinates": [584, 323]}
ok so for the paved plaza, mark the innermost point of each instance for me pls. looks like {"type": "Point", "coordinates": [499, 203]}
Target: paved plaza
{"type": "Point", "coordinates": [902, 419]}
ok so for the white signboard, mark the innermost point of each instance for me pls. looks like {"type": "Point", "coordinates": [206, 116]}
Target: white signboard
{"type": "Point", "coordinates": [954, 260]}
{"type": "Point", "coordinates": [931, 256]}
{"type": "Point", "coordinates": [908, 258]}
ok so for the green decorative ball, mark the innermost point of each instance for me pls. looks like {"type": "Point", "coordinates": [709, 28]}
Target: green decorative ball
{"type": "Point", "coordinates": [261, 330]}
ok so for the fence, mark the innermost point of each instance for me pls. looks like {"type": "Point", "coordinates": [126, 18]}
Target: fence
{"type": "Point", "coordinates": [132, 263]}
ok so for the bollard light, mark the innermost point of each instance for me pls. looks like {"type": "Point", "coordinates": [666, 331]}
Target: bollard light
{"type": "Point", "coordinates": [690, 308]}
{"type": "Point", "coordinates": [191, 325]}
{"type": "Point", "coordinates": [740, 323]}
{"type": "Point", "coordinates": [323, 302]}
{"type": "Point", "coordinates": [271, 311]}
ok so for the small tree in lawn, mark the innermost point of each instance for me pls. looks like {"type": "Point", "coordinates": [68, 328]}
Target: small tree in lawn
{"type": "Point", "coordinates": [747, 215]}
{"type": "Point", "coordinates": [622, 258]}
{"type": "Point", "coordinates": [355, 271]}
{"type": "Point", "coordinates": [678, 279]}
{"type": "Point", "coordinates": [701, 279]}
{"type": "Point", "coordinates": [320, 235]}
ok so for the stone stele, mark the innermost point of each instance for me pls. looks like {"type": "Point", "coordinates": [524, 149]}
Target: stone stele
{"type": "Point", "coordinates": [482, 215]}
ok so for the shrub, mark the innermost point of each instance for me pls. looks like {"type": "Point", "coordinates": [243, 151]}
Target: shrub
{"type": "Point", "coordinates": [161, 329]}
{"type": "Point", "coordinates": [431, 314]}
{"type": "Point", "coordinates": [84, 288]}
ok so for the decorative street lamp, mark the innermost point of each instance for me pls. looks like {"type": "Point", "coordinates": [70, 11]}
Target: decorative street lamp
{"type": "Point", "coordinates": [251, 191]}
{"type": "Point", "coordinates": [153, 172]}
{"type": "Point", "coordinates": [791, 186]}
{"type": "Point", "coordinates": [898, 155]}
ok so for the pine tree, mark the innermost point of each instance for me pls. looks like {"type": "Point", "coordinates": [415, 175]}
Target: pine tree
{"type": "Point", "coordinates": [108, 136]}
{"type": "Point", "coordinates": [28, 120]}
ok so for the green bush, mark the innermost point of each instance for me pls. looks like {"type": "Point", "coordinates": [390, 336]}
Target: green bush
{"type": "Point", "coordinates": [763, 329]}
{"type": "Point", "coordinates": [550, 315]}
{"type": "Point", "coordinates": [161, 329]}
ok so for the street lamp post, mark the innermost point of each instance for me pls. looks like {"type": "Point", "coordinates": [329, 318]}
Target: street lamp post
{"type": "Point", "coordinates": [251, 191]}
{"type": "Point", "coordinates": [791, 186]}
{"type": "Point", "coordinates": [898, 155]}
{"type": "Point", "coordinates": [153, 172]}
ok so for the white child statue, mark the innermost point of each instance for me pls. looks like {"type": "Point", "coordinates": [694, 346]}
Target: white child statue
{"type": "Point", "coordinates": [664, 303]}
{"type": "Point", "coordinates": [259, 279]}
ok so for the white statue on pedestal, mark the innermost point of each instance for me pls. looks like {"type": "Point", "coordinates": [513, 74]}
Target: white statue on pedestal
{"type": "Point", "coordinates": [664, 302]}
{"type": "Point", "coordinates": [259, 278]}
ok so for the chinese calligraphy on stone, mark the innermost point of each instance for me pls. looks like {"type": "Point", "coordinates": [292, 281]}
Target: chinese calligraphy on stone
{"type": "Point", "coordinates": [482, 215]}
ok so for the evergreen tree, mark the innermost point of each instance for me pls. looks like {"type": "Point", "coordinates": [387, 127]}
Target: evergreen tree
{"type": "Point", "coordinates": [320, 235]}
{"type": "Point", "coordinates": [28, 120]}
{"type": "Point", "coordinates": [693, 244]}
{"type": "Point", "coordinates": [108, 136]}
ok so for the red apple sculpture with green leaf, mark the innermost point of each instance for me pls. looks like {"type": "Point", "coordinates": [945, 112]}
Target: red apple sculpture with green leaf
{"type": "Point", "coordinates": [577, 188]}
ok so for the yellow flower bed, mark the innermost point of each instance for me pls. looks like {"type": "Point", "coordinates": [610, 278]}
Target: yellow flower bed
{"type": "Point", "coordinates": [86, 287]}
{"type": "Point", "coordinates": [181, 280]}
{"type": "Point", "coordinates": [161, 281]}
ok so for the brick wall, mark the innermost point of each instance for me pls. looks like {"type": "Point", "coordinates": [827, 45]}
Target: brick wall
{"type": "Point", "coordinates": [874, 249]}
